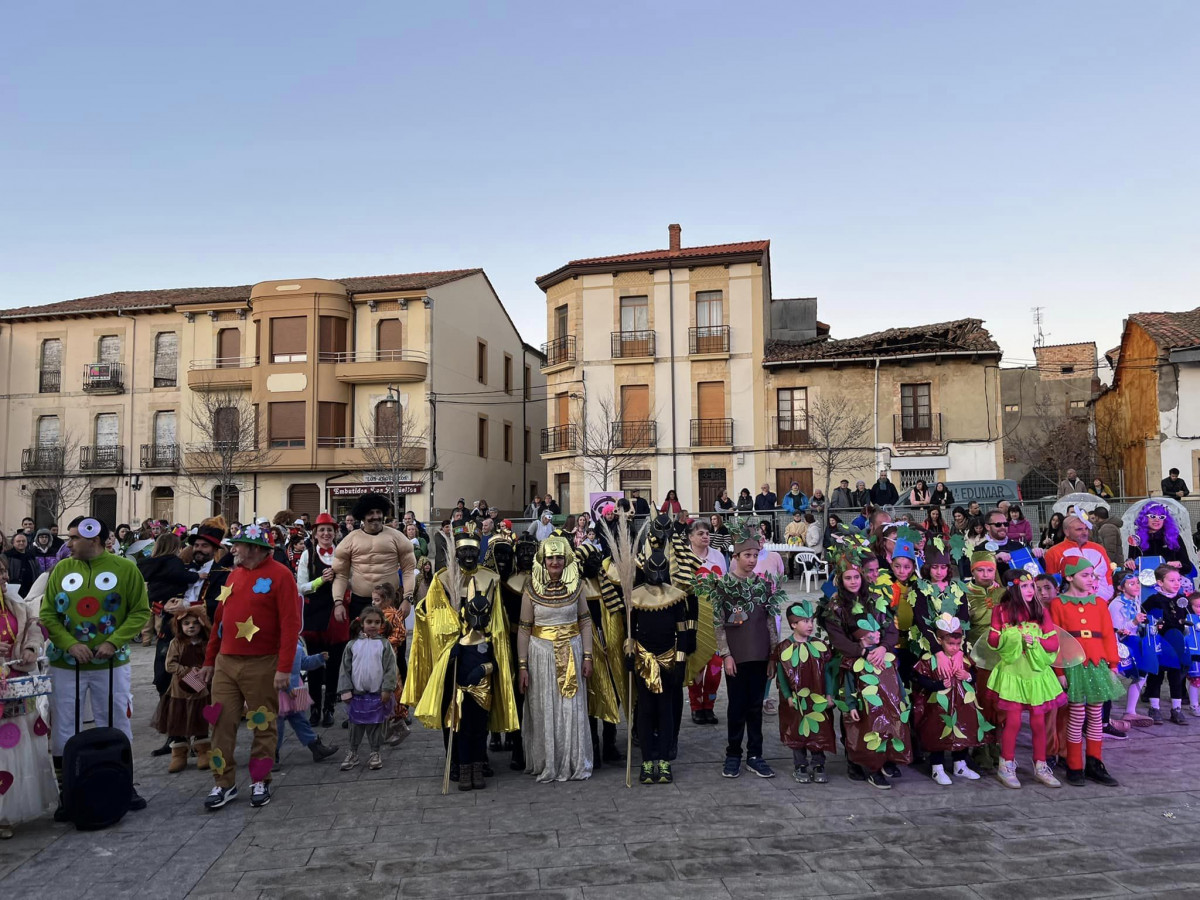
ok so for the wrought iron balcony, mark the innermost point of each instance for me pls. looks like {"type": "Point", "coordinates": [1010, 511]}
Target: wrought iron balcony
{"type": "Point", "coordinates": [102, 459]}
{"type": "Point", "coordinates": [635, 434]}
{"type": "Point", "coordinates": [560, 439]}
{"type": "Point", "coordinates": [160, 456]}
{"type": "Point", "coordinates": [42, 459]}
{"type": "Point", "coordinates": [712, 432]}
{"type": "Point", "coordinates": [708, 339]}
{"type": "Point", "coordinates": [49, 381]}
{"type": "Point", "coordinates": [632, 344]}
{"type": "Point", "coordinates": [558, 351]}
{"type": "Point", "coordinates": [104, 378]}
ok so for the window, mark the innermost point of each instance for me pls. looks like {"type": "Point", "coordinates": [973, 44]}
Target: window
{"type": "Point", "coordinates": [481, 361]}
{"type": "Point", "coordinates": [916, 416]}
{"type": "Point", "coordinates": [162, 503]}
{"type": "Point", "coordinates": [910, 477]}
{"type": "Point", "coordinates": [1012, 407]}
{"type": "Point", "coordinates": [50, 376]}
{"type": "Point", "coordinates": [507, 374]}
{"type": "Point", "coordinates": [389, 337]}
{"type": "Point", "coordinates": [331, 338]}
{"type": "Point", "coordinates": [110, 349]}
{"type": "Point", "coordinates": [387, 420]}
{"type": "Point", "coordinates": [166, 359]}
{"type": "Point", "coordinates": [164, 430]}
{"type": "Point", "coordinates": [560, 321]}
{"type": "Point", "coordinates": [508, 448]}
{"type": "Point", "coordinates": [226, 502]}
{"type": "Point", "coordinates": [104, 506]}
{"type": "Point", "coordinates": [1078, 404]}
{"type": "Point", "coordinates": [331, 424]}
{"type": "Point", "coordinates": [229, 348]}
{"type": "Point", "coordinates": [635, 479]}
{"type": "Point", "coordinates": [528, 442]}
{"type": "Point", "coordinates": [107, 428]}
{"type": "Point", "coordinates": [286, 422]}
{"type": "Point", "coordinates": [227, 428]}
{"type": "Point", "coordinates": [47, 431]}
{"type": "Point", "coordinates": [528, 384]}
{"type": "Point", "coordinates": [305, 498]}
{"type": "Point", "coordinates": [635, 314]}
{"type": "Point", "coordinates": [483, 437]}
{"type": "Point", "coordinates": [791, 406]}
{"type": "Point", "coordinates": [289, 341]}
{"type": "Point", "coordinates": [709, 312]}
{"type": "Point", "coordinates": [1068, 370]}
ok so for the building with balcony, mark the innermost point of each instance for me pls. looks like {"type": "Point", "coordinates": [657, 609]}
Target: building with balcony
{"type": "Point", "coordinates": [300, 394]}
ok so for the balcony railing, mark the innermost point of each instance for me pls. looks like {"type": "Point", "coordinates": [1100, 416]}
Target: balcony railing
{"type": "Point", "coordinates": [224, 362]}
{"type": "Point", "coordinates": [559, 439]}
{"type": "Point", "coordinates": [102, 459]}
{"type": "Point", "coordinates": [632, 344]}
{"type": "Point", "coordinates": [160, 456]}
{"type": "Point", "coordinates": [635, 434]}
{"type": "Point", "coordinates": [104, 378]}
{"type": "Point", "coordinates": [712, 432]}
{"type": "Point", "coordinates": [372, 356]}
{"type": "Point", "coordinates": [49, 381]}
{"type": "Point", "coordinates": [790, 431]}
{"type": "Point", "coordinates": [365, 442]}
{"type": "Point", "coordinates": [42, 459]}
{"type": "Point", "coordinates": [220, 448]}
{"type": "Point", "coordinates": [560, 350]}
{"type": "Point", "coordinates": [917, 429]}
{"type": "Point", "coordinates": [708, 339]}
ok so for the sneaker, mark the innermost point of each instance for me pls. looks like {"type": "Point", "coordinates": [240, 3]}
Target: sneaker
{"type": "Point", "coordinates": [818, 775]}
{"type": "Point", "coordinates": [664, 772]}
{"type": "Point", "coordinates": [759, 767]}
{"type": "Point", "coordinates": [733, 767]}
{"type": "Point", "coordinates": [1113, 734]}
{"type": "Point", "coordinates": [320, 751]}
{"type": "Point", "coordinates": [1006, 774]}
{"type": "Point", "coordinates": [1177, 716]}
{"type": "Point", "coordinates": [1094, 770]}
{"type": "Point", "coordinates": [260, 794]}
{"type": "Point", "coordinates": [647, 775]}
{"type": "Point", "coordinates": [374, 761]}
{"type": "Point", "coordinates": [1156, 715]}
{"type": "Point", "coordinates": [350, 761]}
{"type": "Point", "coordinates": [878, 780]}
{"type": "Point", "coordinates": [136, 801]}
{"type": "Point", "coordinates": [769, 708]}
{"type": "Point", "coordinates": [938, 774]}
{"type": "Point", "coordinates": [1043, 773]}
{"type": "Point", "coordinates": [962, 770]}
{"type": "Point", "coordinates": [800, 774]}
{"type": "Point", "coordinates": [891, 770]}
{"type": "Point", "coordinates": [1195, 710]}
{"type": "Point", "coordinates": [219, 796]}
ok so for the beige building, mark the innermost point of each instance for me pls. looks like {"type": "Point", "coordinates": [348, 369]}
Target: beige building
{"type": "Point", "coordinates": [677, 369]}
{"type": "Point", "coordinates": [297, 394]}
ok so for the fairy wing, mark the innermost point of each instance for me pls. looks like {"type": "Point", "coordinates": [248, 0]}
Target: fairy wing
{"type": "Point", "coordinates": [1070, 651]}
{"type": "Point", "coordinates": [984, 655]}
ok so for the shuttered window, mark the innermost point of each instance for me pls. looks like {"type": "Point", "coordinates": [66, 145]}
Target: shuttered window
{"type": "Point", "coordinates": [164, 428]}
{"type": "Point", "coordinates": [287, 423]}
{"type": "Point", "coordinates": [110, 349]}
{"type": "Point", "coordinates": [305, 498]}
{"type": "Point", "coordinates": [331, 338]}
{"type": "Point", "coordinates": [166, 359]}
{"type": "Point", "coordinates": [331, 423]}
{"type": "Point", "coordinates": [390, 339]}
{"type": "Point", "coordinates": [481, 366]}
{"type": "Point", "coordinates": [47, 431]}
{"type": "Point", "coordinates": [227, 427]}
{"type": "Point", "coordinates": [386, 420]}
{"type": "Point", "coordinates": [508, 448]}
{"type": "Point", "coordinates": [106, 430]}
{"type": "Point", "coordinates": [289, 339]}
{"type": "Point", "coordinates": [52, 355]}
{"type": "Point", "coordinates": [507, 374]}
{"type": "Point", "coordinates": [483, 436]}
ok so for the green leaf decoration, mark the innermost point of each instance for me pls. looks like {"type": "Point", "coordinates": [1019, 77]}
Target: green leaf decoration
{"type": "Point", "coordinates": [943, 699]}
{"type": "Point", "coordinates": [898, 745]}
{"type": "Point", "coordinates": [868, 678]}
{"type": "Point", "coordinates": [958, 733]}
{"type": "Point", "coordinates": [946, 731]}
{"type": "Point", "coordinates": [874, 701]}
{"type": "Point", "coordinates": [801, 654]}
{"type": "Point", "coordinates": [904, 714]}
{"type": "Point", "coordinates": [859, 664]}
{"type": "Point", "coordinates": [819, 646]}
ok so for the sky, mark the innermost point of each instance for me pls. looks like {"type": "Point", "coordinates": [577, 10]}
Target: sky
{"type": "Point", "coordinates": [910, 162]}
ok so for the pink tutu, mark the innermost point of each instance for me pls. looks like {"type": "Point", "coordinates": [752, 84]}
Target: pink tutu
{"type": "Point", "coordinates": [297, 701]}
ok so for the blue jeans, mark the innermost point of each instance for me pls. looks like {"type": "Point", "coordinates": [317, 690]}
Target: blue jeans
{"type": "Point", "coordinates": [299, 722]}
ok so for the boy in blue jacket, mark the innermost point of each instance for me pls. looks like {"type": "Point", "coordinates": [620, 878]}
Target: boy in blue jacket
{"type": "Point", "coordinates": [294, 704]}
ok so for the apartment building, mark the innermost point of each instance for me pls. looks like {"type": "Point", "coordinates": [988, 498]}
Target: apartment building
{"type": "Point", "coordinates": [300, 394]}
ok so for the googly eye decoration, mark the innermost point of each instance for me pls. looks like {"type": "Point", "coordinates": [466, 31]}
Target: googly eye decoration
{"type": "Point", "coordinates": [106, 581]}
{"type": "Point", "coordinates": [72, 582]}
{"type": "Point", "coordinates": [89, 528]}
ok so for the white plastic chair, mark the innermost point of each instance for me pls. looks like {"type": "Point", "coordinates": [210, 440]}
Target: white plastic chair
{"type": "Point", "coordinates": [812, 563]}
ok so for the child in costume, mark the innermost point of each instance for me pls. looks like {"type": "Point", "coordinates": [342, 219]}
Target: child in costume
{"type": "Point", "coordinates": [983, 595]}
{"type": "Point", "coordinates": [896, 588]}
{"type": "Point", "coordinates": [1026, 640]}
{"type": "Point", "coordinates": [937, 593]}
{"type": "Point", "coordinates": [805, 717]}
{"type": "Point", "coordinates": [870, 697]}
{"type": "Point", "coordinates": [1191, 644]}
{"type": "Point", "coordinates": [1081, 614]}
{"type": "Point", "coordinates": [1129, 621]}
{"type": "Point", "coordinates": [386, 598]}
{"type": "Point", "coordinates": [180, 711]}
{"type": "Point", "coordinates": [944, 709]}
{"type": "Point", "coordinates": [467, 694]}
{"type": "Point", "coordinates": [294, 704]}
{"type": "Point", "coordinates": [367, 685]}
{"type": "Point", "coordinates": [1167, 612]}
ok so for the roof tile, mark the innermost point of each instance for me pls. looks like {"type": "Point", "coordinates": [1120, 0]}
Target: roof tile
{"type": "Point", "coordinates": [1171, 330]}
{"type": "Point", "coordinates": [946, 337]}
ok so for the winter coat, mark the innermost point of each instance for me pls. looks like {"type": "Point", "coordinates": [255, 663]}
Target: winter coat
{"type": "Point", "coordinates": [1108, 536]}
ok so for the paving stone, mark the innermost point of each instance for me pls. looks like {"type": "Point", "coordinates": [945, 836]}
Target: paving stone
{"type": "Point", "coordinates": [585, 876]}
{"type": "Point", "coordinates": [817, 884]}
{"type": "Point", "coordinates": [395, 869]}
{"type": "Point", "coordinates": [602, 854]}
{"type": "Point", "coordinates": [859, 860]}
{"type": "Point", "coordinates": [749, 866]}
{"type": "Point", "coordinates": [667, 890]}
{"type": "Point", "coordinates": [368, 890]}
{"type": "Point", "coordinates": [932, 876]}
{"type": "Point", "coordinates": [341, 873]}
{"type": "Point", "coordinates": [698, 848]}
{"type": "Point", "coordinates": [1080, 887]}
{"type": "Point", "coordinates": [469, 883]}
{"type": "Point", "coordinates": [1151, 881]}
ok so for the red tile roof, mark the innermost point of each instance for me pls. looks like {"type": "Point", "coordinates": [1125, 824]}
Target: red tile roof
{"type": "Point", "coordinates": [960, 335]}
{"type": "Point", "coordinates": [126, 300]}
{"type": "Point", "coordinates": [748, 249]}
{"type": "Point", "coordinates": [1171, 330]}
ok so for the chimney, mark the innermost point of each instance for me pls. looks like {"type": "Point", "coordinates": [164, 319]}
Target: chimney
{"type": "Point", "coordinates": [673, 231]}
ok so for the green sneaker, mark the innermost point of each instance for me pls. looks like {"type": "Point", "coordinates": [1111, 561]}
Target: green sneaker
{"type": "Point", "coordinates": [647, 776]}
{"type": "Point", "coordinates": [664, 772]}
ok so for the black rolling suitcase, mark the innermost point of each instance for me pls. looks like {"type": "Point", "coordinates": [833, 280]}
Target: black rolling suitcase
{"type": "Point", "coordinates": [97, 770]}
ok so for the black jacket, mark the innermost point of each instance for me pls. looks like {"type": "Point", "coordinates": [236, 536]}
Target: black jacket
{"type": "Point", "coordinates": [884, 494]}
{"type": "Point", "coordinates": [22, 570]}
{"type": "Point", "coordinates": [166, 577]}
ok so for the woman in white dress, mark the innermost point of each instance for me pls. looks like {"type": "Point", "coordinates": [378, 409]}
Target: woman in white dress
{"type": "Point", "coordinates": [554, 650]}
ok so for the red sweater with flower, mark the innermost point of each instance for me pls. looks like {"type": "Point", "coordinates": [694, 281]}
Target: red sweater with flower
{"type": "Point", "coordinates": [258, 614]}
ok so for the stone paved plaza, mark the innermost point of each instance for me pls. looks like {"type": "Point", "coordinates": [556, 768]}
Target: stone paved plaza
{"type": "Point", "coordinates": [390, 833]}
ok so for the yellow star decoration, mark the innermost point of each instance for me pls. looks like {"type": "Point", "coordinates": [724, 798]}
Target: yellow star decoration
{"type": "Point", "coordinates": [248, 629]}
{"type": "Point", "coordinates": [226, 590]}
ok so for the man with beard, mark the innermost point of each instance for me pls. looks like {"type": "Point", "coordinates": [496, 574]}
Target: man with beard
{"type": "Point", "coordinates": [372, 555]}
{"type": "Point", "coordinates": [1000, 545]}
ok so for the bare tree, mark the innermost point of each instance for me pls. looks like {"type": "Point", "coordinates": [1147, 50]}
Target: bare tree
{"type": "Point", "coordinates": [228, 444]}
{"type": "Point", "coordinates": [612, 444]}
{"type": "Point", "coordinates": [838, 437]}
{"type": "Point", "coordinates": [394, 446]}
{"type": "Point", "coordinates": [53, 479]}
{"type": "Point", "coordinates": [1106, 437]}
{"type": "Point", "coordinates": [1051, 440]}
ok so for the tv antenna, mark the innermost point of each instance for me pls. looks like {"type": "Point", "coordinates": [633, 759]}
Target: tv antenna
{"type": "Point", "coordinates": [1039, 339]}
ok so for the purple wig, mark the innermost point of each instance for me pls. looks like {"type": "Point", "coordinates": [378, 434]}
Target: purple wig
{"type": "Point", "coordinates": [1170, 530]}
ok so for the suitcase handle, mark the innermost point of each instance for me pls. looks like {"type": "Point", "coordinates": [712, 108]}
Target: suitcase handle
{"type": "Point", "coordinates": [79, 700]}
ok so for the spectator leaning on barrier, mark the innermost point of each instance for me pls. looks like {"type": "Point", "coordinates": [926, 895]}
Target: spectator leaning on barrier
{"type": "Point", "coordinates": [1174, 486]}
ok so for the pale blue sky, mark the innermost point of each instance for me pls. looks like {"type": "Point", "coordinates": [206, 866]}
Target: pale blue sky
{"type": "Point", "coordinates": [909, 161]}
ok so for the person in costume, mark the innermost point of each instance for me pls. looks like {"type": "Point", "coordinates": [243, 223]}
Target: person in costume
{"type": "Point", "coordinates": [180, 712]}
{"type": "Point", "coordinates": [706, 680]}
{"type": "Point", "coordinates": [603, 687]}
{"type": "Point", "coordinates": [744, 609]}
{"type": "Point", "coordinates": [805, 709]}
{"type": "Point", "coordinates": [896, 588]}
{"type": "Point", "coordinates": [869, 695]}
{"type": "Point", "coordinates": [95, 603]}
{"type": "Point", "coordinates": [1025, 639]}
{"type": "Point", "coordinates": [385, 598]}
{"type": "Point", "coordinates": [367, 684]}
{"type": "Point", "coordinates": [371, 554]}
{"type": "Point", "coordinates": [554, 650]}
{"type": "Point", "coordinates": [1129, 621]}
{"type": "Point", "coordinates": [211, 561]}
{"type": "Point", "coordinates": [1081, 614]}
{"type": "Point", "coordinates": [501, 560]}
{"type": "Point", "coordinates": [653, 651]}
{"type": "Point", "coordinates": [945, 712]}
{"type": "Point", "coordinates": [936, 593]}
{"type": "Point", "coordinates": [295, 701]}
{"type": "Point", "coordinates": [1077, 543]}
{"type": "Point", "coordinates": [983, 595]}
{"type": "Point", "coordinates": [467, 691]}
{"type": "Point", "coordinates": [326, 624]}
{"type": "Point", "coordinates": [514, 568]}
{"type": "Point", "coordinates": [24, 754]}
{"type": "Point", "coordinates": [249, 661]}
{"type": "Point", "coordinates": [1191, 645]}
{"type": "Point", "coordinates": [1167, 611]}
{"type": "Point", "coordinates": [1155, 532]}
